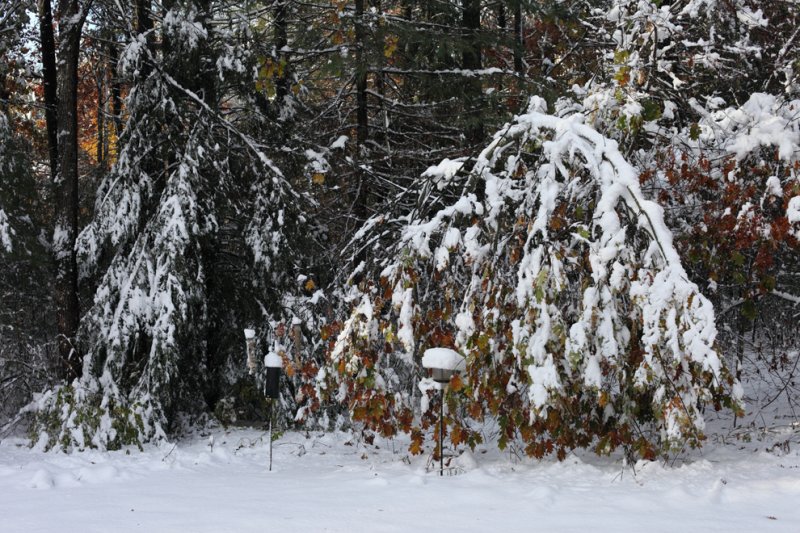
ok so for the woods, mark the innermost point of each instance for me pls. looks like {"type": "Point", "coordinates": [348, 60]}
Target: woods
{"type": "Point", "coordinates": [595, 202]}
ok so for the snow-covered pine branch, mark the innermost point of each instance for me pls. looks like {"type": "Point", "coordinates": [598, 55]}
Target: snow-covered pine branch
{"type": "Point", "coordinates": [190, 232]}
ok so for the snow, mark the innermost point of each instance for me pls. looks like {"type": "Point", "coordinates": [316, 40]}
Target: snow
{"type": "Point", "coordinates": [763, 121]}
{"type": "Point", "coordinates": [333, 482]}
{"type": "Point", "coordinates": [444, 358]}
{"type": "Point", "coordinates": [249, 334]}
{"type": "Point", "coordinates": [273, 360]}
{"type": "Point", "coordinates": [774, 187]}
{"type": "Point", "coordinates": [339, 142]}
{"type": "Point", "coordinates": [405, 331]}
{"type": "Point", "coordinates": [5, 232]}
{"type": "Point", "coordinates": [793, 213]}
{"type": "Point", "coordinates": [444, 171]}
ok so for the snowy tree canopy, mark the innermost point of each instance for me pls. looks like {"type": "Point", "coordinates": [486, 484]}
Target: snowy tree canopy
{"type": "Point", "coordinates": [560, 275]}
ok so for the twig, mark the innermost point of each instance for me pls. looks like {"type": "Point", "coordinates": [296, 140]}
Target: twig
{"type": "Point", "coordinates": [164, 459]}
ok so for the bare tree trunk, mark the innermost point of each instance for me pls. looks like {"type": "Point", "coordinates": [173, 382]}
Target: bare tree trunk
{"type": "Point", "coordinates": [116, 93]}
{"type": "Point", "coordinates": [144, 24]}
{"type": "Point", "coordinates": [50, 82]}
{"type": "Point", "coordinates": [100, 85]}
{"type": "Point", "coordinates": [471, 60]}
{"type": "Point", "coordinates": [206, 69]}
{"type": "Point", "coordinates": [362, 124]}
{"type": "Point", "coordinates": [71, 18]}
{"type": "Point", "coordinates": [519, 43]}
{"type": "Point", "coordinates": [282, 41]}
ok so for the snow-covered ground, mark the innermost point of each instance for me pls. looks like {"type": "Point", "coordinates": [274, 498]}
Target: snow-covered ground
{"type": "Point", "coordinates": [333, 482]}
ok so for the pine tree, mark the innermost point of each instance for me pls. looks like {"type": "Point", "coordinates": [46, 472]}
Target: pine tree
{"type": "Point", "coordinates": [162, 332]}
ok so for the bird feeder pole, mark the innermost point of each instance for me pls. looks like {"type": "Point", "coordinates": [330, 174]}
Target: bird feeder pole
{"type": "Point", "coordinates": [441, 432]}
{"type": "Point", "coordinates": [274, 363]}
{"type": "Point", "coordinates": [443, 363]}
{"type": "Point", "coordinates": [271, 416]}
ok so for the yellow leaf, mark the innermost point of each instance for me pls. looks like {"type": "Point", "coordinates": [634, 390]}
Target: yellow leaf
{"type": "Point", "coordinates": [318, 178]}
{"type": "Point", "coordinates": [310, 285]}
{"type": "Point", "coordinates": [390, 47]}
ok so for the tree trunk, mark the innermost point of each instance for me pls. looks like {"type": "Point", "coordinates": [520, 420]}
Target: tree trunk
{"type": "Point", "coordinates": [71, 18]}
{"type": "Point", "coordinates": [519, 43]}
{"type": "Point", "coordinates": [281, 41]}
{"type": "Point", "coordinates": [144, 24]}
{"type": "Point", "coordinates": [49, 82]}
{"type": "Point", "coordinates": [471, 60]}
{"type": "Point", "coordinates": [116, 93]}
{"type": "Point", "coordinates": [100, 85]}
{"type": "Point", "coordinates": [362, 124]}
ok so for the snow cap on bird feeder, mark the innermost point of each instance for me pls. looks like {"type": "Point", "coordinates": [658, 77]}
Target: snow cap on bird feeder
{"type": "Point", "coordinates": [250, 339]}
{"type": "Point", "coordinates": [443, 363]}
{"type": "Point", "coordinates": [274, 363]}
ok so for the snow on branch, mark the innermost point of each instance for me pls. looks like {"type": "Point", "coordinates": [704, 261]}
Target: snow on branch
{"type": "Point", "coordinates": [5, 232]}
{"type": "Point", "coordinates": [763, 121]}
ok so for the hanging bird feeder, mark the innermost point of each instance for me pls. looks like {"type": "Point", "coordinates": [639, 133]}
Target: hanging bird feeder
{"type": "Point", "coordinates": [250, 341]}
{"type": "Point", "coordinates": [274, 364]}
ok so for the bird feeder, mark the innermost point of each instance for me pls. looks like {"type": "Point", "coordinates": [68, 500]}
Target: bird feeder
{"type": "Point", "coordinates": [442, 363]}
{"type": "Point", "coordinates": [250, 340]}
{"type": "Point", "coordinates": [274, 364]}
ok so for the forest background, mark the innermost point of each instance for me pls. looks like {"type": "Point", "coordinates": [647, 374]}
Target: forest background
{"type": "Point", "coordinates": [596, 202]}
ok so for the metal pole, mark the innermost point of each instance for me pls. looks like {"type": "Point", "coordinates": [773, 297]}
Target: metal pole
{"type": "Point", "coordinates": [441, 433]}
{"type": "Point", "coordinates": [271, 416]}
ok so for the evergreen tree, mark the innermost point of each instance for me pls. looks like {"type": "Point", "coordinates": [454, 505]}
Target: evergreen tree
{"type": "Point", "coordinates": [162, 335]}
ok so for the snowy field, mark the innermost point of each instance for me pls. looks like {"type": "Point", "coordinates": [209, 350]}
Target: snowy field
{"type": "Point", "coordinates": [332, 482]}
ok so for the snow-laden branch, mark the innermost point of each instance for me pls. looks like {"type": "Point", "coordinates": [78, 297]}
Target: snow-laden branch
{"type": "Point", "coordinates": [601, 300]}
{"type": "Point", "coordinates": [5, 232]}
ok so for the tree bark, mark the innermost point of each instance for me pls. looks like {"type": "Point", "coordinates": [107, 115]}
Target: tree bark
{"type": "Point", "coordinates": [100, 118]}
{"type": "Point", "coordinates": [281, 41]}
{"type": "Point", "coordinates": [519, 43]}
{"type": "Point", "coordinates": [116, 93]}
{"type": "Point", "coordinates": [471, 60]}
{"type": "Point", "coordinates": [71, 18]}
{"type": "Point", "coordinates": [362, 120]}
{"type": "Point", "coordinates": [143, 25]}
{"type": "Point", "coordinates": [49, 82]}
